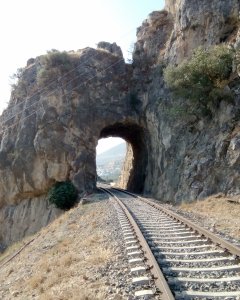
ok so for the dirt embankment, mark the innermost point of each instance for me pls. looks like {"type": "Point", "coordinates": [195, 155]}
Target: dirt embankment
{"type": "Point", "coordinates": [219, 213]}
{"type": "Point", "coordinates": [78, 256]}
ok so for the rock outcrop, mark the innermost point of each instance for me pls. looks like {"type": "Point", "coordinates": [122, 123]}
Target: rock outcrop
{"type": "Point", "coordinates": [193, 156]}
{"type": "Point", "coordinates": [65, 102]}
{"type": "Point", "coordinates": [173, 33]}
{"type": "Point", "coordinates": [62, 105]}
{"type": "Point", "coordinates": [52, 134]}
{"type": "Point", "coordinates": [126, 168]}
{"type": "Point", "coordinates": [26, 218]}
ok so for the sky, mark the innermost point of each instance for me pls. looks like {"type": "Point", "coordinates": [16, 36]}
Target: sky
{"type": "Point", "coordinates": [107, 143]}
{"type": "Point", "coordinates": [29, 28]}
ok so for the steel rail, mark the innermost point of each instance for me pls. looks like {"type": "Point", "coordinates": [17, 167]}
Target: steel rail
{"type": "Point", "coordinates": [158, 276]}
{"type": "Point", "coordinates": [233, 249]}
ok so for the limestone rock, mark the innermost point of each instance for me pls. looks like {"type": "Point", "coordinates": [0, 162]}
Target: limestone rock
{"type": "Point", "coordinates": [126, 169]}
{"type": "Point", "coordinates": [26, 218]}
{"type": "Point", "coordinates": [200, 23]}
{"type": "Point", "coordinates": [152, 37]}
{"type": "Point", "coordinates": [112, 48]}
{"type": "Point", "coordinates": [173, 33]}
{"type": "Point", "coordinates": [51, 135]}
{"type": "Point", "coordinates": [192, 157]}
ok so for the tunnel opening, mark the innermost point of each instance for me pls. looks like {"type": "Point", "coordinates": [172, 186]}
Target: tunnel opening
{"type": "Point", "coordinates": [111, 153]}
{"type": "Point", "coordinates": [135, 137]}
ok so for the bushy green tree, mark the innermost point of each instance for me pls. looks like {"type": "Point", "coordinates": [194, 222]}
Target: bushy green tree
{"type": "Point", "coordinates": [203, 77]}
{"type": "Point", "coordinates": [63, 195]}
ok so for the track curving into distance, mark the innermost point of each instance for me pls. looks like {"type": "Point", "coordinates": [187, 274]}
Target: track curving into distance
{"type": "Point", "coordinates": [196, 263]}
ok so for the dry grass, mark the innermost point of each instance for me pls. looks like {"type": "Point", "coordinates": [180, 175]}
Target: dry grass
{"type": "Point", "coordinates": [61, 263]}
{"type": "Point", "coordinates": [75, 294]}
{"type": "Point", "coordinates": [36, 281]}
{"type": "Point", "coordinates": [100, 257]}
{"type": "Point", "coordinates": [220, 211]}
{"type": "Point", "coordinates": [11, 250]}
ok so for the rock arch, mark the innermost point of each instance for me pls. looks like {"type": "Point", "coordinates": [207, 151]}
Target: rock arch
{"type": "Point", "coordinates": [52, 135]}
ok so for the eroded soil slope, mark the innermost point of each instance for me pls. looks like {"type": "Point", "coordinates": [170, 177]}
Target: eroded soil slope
{"type": "Point", "coordinates": [78, 256]}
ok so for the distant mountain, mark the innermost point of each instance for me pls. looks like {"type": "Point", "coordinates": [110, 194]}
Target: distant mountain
{"type": "Point", "coordinates": [109, 163]}
{"type": "Point", "coordinates": [116, 152]}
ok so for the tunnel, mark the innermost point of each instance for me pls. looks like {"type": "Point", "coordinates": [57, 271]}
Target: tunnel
{"type": "Point", "coordinates": [136, 136]}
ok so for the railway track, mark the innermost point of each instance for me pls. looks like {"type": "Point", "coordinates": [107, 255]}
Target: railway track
{"type": "Point", "coordinates": [186, 261]}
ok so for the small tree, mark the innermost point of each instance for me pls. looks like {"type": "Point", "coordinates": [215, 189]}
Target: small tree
{"type": "Point", "coordinates": [203, 77]}
{"type": "Point", "coordinates": [63, 195]}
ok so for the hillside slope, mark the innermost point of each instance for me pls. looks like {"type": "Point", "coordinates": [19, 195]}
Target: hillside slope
{"type": "Point", "coordinates": [117, 152]}
{"type": "Point", "coordinates": [78, 256]}
{"type": "Point", "coordinates": [110, 162]}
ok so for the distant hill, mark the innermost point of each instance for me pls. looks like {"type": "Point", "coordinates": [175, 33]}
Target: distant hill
{"type": "Point", "coordinates": [116, 152]}
{"type": "Point", "coordinates": [109, 163]}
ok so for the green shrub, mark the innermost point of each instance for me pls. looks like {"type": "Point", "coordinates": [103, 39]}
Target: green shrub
{"type": "Point", "coordinates": [63, 195]}
{"type": "Point", "coordinates": [55, 58]}
{"type": "Point", "coordinates": [53, 65]}
{"type": "Point", "coordinates": [203, 77]}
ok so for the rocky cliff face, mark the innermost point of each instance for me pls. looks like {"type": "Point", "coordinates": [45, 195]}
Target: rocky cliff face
{"type": "Point", "coordinates": [26, 218]}
{"type": "Point", "coordinates": [193, 156]}
{"type": "Point", "coordinates": [172, 34]}
{"type": "Point", "coordinates": [64, 103]}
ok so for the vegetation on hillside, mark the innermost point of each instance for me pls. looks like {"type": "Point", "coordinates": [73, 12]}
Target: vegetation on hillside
{"type": "Point", "coordinates": [203, 79]}
{"type": "Point", "coordinates": [53, 65]}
